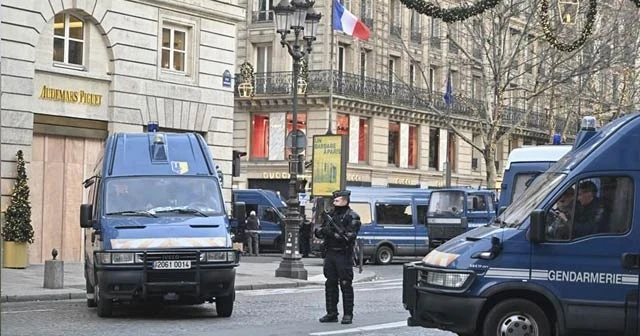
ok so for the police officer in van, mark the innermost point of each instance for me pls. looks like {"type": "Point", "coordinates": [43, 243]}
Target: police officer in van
{"type": "Point", "coordinates": [339, 232]}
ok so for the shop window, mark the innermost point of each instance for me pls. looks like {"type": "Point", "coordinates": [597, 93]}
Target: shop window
{"type": "Point", "coordinates": [394, 144]}
{"type": "Point", "coordinates": [434, 147]}
{"type": "Point", "coordinates": [394, 214]}
{"type": "Point", "coordinates": [363, 140]}
{"type": "Point", "coordinates": [451, 150]}
{"type": "Point", "coordinates": [413, 146]}
{"type": "Point", "coordinates": [593, 206]}
{"type": "Point", "coordinates": [342, 124]}
{"type": "Point", "coordinates": [174, 48]}
{"type": "Point", "coordinates": [68, 39]}
{"type": "Point", "coordinates": [260, 136]}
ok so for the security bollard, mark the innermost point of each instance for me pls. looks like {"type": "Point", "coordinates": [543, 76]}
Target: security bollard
{"type": "Point", "coordinates": [54, 272]}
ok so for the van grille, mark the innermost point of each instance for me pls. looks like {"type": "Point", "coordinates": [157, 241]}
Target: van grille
{"type": "Point", "coordinates": [155, 256]}
{"type": "Point", "coordinates": [445, 231]}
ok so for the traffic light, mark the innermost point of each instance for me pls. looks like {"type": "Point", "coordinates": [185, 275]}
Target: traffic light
{"type": "Point", "coordinates": [235, 169]}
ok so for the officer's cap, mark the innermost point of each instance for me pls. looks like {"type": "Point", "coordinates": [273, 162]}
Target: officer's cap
{"type": "Point", "coordinates": [341, 193]}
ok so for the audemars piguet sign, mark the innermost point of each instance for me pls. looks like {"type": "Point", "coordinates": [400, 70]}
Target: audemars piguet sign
{"type": "Point", "coordinates": [70, 96]}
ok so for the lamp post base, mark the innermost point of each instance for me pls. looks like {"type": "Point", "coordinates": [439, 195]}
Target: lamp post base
{"type": "Point", "coordinates": [291, 268]}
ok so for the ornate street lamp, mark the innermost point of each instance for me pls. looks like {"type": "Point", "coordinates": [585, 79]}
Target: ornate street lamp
{"type": "Point", "coordinates": [300, 18]}
{"type": "Point", "coordinates": [568, 10]}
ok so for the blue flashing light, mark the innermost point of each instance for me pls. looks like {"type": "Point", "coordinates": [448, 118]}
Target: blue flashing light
{"type": "Point", "coordinates": [557, 139]}
{"type": "Point", "coordinates": [153, 126]}
{"type": "Point", "coordinates": [588, 123]}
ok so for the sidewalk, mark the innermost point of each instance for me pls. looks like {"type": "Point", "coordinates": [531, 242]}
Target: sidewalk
{"type": "Point", "coordinates": [27, 284]}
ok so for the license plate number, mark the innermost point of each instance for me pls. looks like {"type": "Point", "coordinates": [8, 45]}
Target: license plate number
{"type": "Point", "coordinates": [172, 264]}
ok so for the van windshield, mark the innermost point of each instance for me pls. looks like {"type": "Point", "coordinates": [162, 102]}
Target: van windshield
{"type": "Point", "coordinates": [542, 185]}
{"type": "Point", "coordinates": [156, 193]}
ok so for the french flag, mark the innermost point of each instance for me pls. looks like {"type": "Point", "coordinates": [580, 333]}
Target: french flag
{"type": "Point", "coordinates": [348, 23]}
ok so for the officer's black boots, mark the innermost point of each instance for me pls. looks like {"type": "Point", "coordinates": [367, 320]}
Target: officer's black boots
{"type": "Point", "coordinates": [347, 319]}
{"type": "Point", "coordinates": [329, 318]}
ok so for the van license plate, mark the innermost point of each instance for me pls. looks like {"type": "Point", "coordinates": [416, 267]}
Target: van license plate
{"type": "Point", "coordinates": [172, 264]}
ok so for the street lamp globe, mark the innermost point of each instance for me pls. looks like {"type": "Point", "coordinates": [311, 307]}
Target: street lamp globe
{"type": "Point", "coordinates": [311, 23]}
{"type": "Point", "coordinates": [299, 13]}
{"type": "Point", "coordinates": [284, 16]}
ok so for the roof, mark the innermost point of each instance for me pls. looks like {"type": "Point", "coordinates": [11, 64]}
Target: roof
{"type": "Point", "coordinates": [544, 153]}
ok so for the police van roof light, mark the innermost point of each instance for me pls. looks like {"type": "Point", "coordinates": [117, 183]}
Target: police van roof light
{"type": "Point", "coordinates": [153, 126]}
{"type": "Point", "coordinates": [588, 123]}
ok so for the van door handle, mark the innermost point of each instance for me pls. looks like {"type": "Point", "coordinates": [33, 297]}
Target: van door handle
{"type": "Point", "coordinates": [631, 260]}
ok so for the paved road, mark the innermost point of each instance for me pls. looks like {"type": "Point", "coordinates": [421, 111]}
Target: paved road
{"type": "Point", "coordinates": [291, 311]}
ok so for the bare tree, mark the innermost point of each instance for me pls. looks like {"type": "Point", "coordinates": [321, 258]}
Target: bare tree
{"type": "Point", "coordinates": [521, 75]}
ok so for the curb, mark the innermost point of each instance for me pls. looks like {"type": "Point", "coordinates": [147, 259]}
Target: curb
{"type": "Point", "coordinates": [82, 295]}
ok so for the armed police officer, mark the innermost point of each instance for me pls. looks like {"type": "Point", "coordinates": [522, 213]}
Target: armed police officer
{"type": "Point", "coordinates": [339, 232]}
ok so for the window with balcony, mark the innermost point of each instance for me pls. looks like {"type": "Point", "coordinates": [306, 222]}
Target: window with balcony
{"type": "Point", "coordinates": [263, 11]}
{"type": "Point", "coordinates": [68, 39]}
{"type": "Point", "coordinates": [366, 13]}
{"type": "Point", "coordinates": [342, 124]}
{"type": "Point", "coordinates": [363, 140]}
{"type": "Point", "coordinates": [475, 87]}
{"type": "Point", "coordinates": [416, 27]}
{"type": "Point", "coordinates": [528, 66]}
{"type": "Point", "coordinates": [434, 33]}
{"type": "Point", "coordinates": [394, 144]}
{"type": "Point", "coordinates": [454, 38]}
{"type": "Point", "coordinates": [452, 152]}
{"type": "Point", "coordinates": [263, 57]}
{"type": "Point", "coordinates": [412, 74]}
{"type": "Point", "coordinates": [432, 78]}
{"type": "Point", "coordinates": [259, 136]}
{"type": "Point", "coordinates": [413, 146]}
{"type": "Point", "coordinates": [476, 155]}
{"type": "Point", "coordinates": [396, 18]}
{"type": "Point", "coordinates": [434, 147]}
{"type": "Point", "coordinates": [174, 48]}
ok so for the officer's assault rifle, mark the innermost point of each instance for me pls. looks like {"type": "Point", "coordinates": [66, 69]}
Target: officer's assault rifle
{"type": "Point", "coordinates": [358, 256]}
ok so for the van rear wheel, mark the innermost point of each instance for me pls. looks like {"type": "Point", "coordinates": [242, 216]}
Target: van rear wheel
{"type": "Point", "coordinates": [516, 317]}
{"type": "Point", "coordinates": [384, 255]}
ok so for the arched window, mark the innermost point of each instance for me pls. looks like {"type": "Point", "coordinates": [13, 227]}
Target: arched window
{"type": "Point", "coordinates": [68, 39]}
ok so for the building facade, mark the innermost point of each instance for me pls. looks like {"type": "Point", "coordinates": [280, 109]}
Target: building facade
{"type": "Point", "coordinates": [385, 94]}
{"type": "Point", "coordinates": [81, 70]}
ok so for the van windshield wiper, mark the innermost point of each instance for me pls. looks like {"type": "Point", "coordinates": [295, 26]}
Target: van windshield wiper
{"type": "Point", "coordinates": [133, 213]}
{"type": "Point", "coordinates": [183, 211]}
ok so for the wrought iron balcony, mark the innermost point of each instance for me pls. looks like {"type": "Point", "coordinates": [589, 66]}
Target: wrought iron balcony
{"type": "Point", "coordinates": [396, 30]}
{"type": "Point", "coordinates": [416, 37]}
{"type": "Point", "coordinates": [369, 89]}
{"type": "Point", "coordinates": [262, 16]}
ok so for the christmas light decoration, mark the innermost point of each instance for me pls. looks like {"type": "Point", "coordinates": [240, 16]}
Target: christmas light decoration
{"type": "Point", "coordinates": [586, 30]}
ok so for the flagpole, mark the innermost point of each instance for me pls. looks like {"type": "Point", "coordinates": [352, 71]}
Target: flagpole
{"type": "Point", "coordinates": [331, 55]}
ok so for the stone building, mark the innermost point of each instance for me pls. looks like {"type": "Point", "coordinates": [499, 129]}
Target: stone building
{"type": "Point", "coordinates": [380, 90]}
{"type": "Point", "coordinates": [74, 71]}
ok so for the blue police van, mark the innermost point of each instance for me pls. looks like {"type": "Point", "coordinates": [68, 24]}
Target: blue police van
{"type": "Point", "coordinates": [393, 222]}
{"type": "Point", "coordinates": [453, 211]}
{"type": "Point", "coordinates": [155, 225]}
{"type": "Point", "coordinates": [563, 259]}
{"type": "Point", "coordinates": [270, 210]}
{"type": "Point", "coordinates": [523, 165]}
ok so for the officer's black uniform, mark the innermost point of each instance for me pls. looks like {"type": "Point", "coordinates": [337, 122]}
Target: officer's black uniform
{"type": "Point", "coordinates": [338, 261]}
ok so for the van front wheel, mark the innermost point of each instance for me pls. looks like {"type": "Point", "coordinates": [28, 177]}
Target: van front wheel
{"type": "Point", "coordinates": [516, 315]}
{"type": "Point", "coordinates": [384, 255]}
{"type": "Point", "coordinates": [224, 305]}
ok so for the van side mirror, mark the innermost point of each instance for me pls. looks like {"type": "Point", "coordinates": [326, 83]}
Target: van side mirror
{"type": "Point", "coordinates": [240, 212]}
{"type": "Point", "coordinates": [501, 210]}
{"type": "Point", "coordinates": [86, 212]}
{"type": "Point", "coordinates": [537, 226]}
